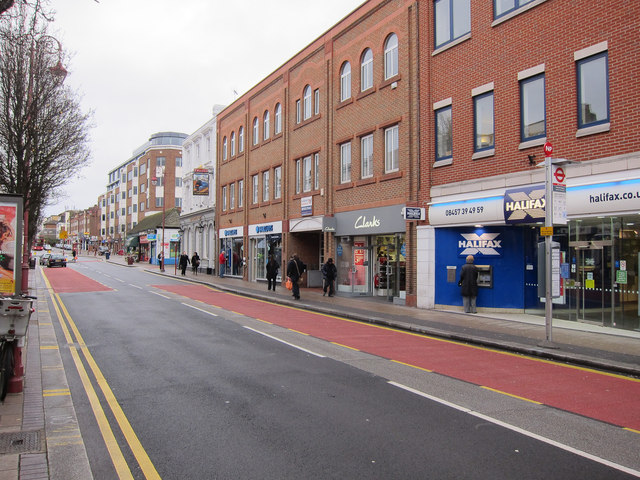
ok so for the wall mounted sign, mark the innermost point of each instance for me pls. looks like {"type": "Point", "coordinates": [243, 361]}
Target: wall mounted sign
{"type": "Point", "coordinates": [524, 204]}
{"type": "Point", "coordinates": [485, 244]}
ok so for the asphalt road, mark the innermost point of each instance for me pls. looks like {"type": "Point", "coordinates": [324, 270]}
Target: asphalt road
{"type": "Point", "coordinates": [211, 393]}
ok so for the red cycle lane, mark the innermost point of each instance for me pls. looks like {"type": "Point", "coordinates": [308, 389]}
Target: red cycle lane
{"type": "Point", "coordinates": [67, 280]}
{"type": "Point", "coordinates": [610, 398]}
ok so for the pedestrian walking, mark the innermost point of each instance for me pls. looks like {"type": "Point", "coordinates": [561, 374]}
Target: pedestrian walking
{"type": "Point", "coordinates": [295, 269]}
{"type": "Point", "coordinates": [195, 262]}
{"type": "Point", "coordinates": [222, 260]}
{"type": "Point", "coordinates": [272, 273]}
{"type": "Point", "coordinates": [469, 283]}
{"type": "Point", "coordinates": [329, 274]}
{"type": "Point", "coordinates": [184, 261]}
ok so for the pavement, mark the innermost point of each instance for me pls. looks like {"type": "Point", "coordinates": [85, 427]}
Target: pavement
{"type": "Point", "coordinates": [39, 433]}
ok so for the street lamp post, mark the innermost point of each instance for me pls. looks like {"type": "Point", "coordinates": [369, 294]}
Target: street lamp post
{"type": "Point", "coordinates": [59, 73]}
{"type": "Point", "coordinates": [160, 174]}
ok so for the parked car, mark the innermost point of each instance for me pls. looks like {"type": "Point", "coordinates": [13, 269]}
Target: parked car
{"type": "Point", "coordinates": [38, 248]}
{"type": "Point", "coordinates": [44, 258]}
{"type": "Point", "coordinates": [57, 260]}
{"type": "Point", "coordinates": [102, 250]}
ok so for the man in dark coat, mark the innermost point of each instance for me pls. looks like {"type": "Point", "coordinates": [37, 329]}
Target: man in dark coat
{"type": "Point", "coordinates": [329, 274]}
{"type": "Point", "coordinates": [272, 273]}
{"type": "Point", "coordinates": [183, 262]}
{"type": "Point", "coordinates": [295, 269]}
{"type": "Point", "coordinates": [469, 283]}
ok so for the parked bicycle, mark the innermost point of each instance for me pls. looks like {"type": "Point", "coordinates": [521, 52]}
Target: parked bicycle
{"type": "Point", "coordinates": [15, 312]}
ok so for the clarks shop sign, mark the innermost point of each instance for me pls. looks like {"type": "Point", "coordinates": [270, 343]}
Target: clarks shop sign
{"type": "Point", "coordinates": [371, 221]}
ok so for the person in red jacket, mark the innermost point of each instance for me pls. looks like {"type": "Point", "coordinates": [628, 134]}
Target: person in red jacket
{"type": "Point", "coordinates": [222, 260]}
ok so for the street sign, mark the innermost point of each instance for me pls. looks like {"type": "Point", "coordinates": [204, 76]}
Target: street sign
{"type": "Point", "coordinates": [546, 231]}
{"type": "Point", "coordinates": [548, 149]}
{"type": "Point", "coordinates": [559, 175]}
{"type": "Point", "coordinates": [413, 213]}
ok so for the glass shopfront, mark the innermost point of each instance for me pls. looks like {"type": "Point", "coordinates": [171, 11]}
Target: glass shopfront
{"type": "Point", "coordinates": [265, 240]}
{"type": "Point", "coordinates": [232, 244]}
{"type": "Point", "coordinates": [370, 258]}
{"type": "Point", "coordinates": [599, 272]}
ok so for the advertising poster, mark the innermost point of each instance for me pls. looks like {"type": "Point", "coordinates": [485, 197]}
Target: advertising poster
{"type": "Point", "coordinates": [8, 243]}
{"type": "Point", "coordinates": [200, 182]}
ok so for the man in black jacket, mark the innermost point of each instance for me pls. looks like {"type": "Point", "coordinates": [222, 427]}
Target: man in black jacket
{"type": "Point", "coordinates": [295, 269]}
{"type": "Point", "coordinates": [329, 274]}
{"type": "Point", "coordinates": [469, 283]}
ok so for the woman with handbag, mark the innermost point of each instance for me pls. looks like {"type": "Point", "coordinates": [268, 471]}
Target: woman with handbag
{"type": "Point", "coordinates": [295, 269]}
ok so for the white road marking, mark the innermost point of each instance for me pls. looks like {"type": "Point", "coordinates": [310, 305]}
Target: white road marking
{"type": "Point", "coordinates": [135, 286]}
{"type": "Point", "coordinates": [199, 309]}
{"type": "Point", "coordinates": [160, 295]}
{"type": "Point", "coordinates": [286, 343]}
{"type": "Point", "coordinates": [519, 430]}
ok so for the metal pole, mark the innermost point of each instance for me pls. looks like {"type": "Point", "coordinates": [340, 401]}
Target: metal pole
{"type": "Point", "coordinates": [548, 222]}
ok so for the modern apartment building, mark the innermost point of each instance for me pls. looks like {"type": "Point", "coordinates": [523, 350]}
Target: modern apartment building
{"type": "Point", "coordinates": [148, 182]}
{"type": "Point", "coordinates": [498, 80]}
{"type": "Point", "coordinates": [321, 157]}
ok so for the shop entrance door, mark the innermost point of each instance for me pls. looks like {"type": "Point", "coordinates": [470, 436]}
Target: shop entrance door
{"type": "Point", "coordinates": [595, 292]}
{"type": "Point", "coordinates": [360, 272]}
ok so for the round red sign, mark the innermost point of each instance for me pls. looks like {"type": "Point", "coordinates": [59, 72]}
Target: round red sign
{"type": "Point", "coordinates": [559, 174]}
{"type": "Point", "coordinates": [548, 149]}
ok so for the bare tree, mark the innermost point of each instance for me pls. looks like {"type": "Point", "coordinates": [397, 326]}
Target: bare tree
{"type": "Point", "coordinates": [43, 132]}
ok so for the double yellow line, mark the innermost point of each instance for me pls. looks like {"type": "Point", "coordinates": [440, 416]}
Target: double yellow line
{"type": "Point", "coordinates": [117, 457]}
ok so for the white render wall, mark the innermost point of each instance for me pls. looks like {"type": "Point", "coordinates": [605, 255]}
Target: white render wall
{"type": "Point", "coordinates": [425, 267]}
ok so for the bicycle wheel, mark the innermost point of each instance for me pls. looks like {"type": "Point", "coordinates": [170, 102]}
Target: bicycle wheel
{"type": "Point", "coordinates": [6, 368]}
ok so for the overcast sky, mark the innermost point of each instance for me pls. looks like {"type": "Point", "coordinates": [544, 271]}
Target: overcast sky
{"type": "Point", "coordinates": [146, 66]}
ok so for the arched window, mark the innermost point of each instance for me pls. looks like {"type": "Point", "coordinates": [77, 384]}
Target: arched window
{"type": "Point", "coordinates": [366, 70]}
{"type": "Point", "coordinates": [307, 103]}
{"type": "Point", "coordinates": [265, 125]}
{"type": "Point", "coordinates": [277, 128]}
{"type": "Point", "coordinates": [391, 56]}
{"type": "Point", "coordinates": [345, 81]}
{"type": "Point", "coordinates": [256, 132]}
{"type": "Point", "coordinates": [241, 140]}
{"type": "Point", "coordinates": [233, 143]}
{"type": "Point", "coordinates": [224, 148]}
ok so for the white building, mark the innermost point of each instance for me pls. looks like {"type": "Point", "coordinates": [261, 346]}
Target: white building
{"type": "Point", "coordinates": [197, 219]}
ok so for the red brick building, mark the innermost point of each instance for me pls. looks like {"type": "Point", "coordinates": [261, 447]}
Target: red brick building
{"type": "Point", "coordinates": [320, 157]}
{"type": "Point", "coordinates": [498, 80]}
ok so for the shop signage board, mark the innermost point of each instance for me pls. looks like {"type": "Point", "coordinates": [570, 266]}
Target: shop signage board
{"type": "Point", "coordinates": [306, 206]}
{"type": "Point", "coordinates": [604, 198]}
{"type": "Point", "coordinates": [525, 204]}
{"type": "Point", "coordinates": [467, 212]}
{"type": "Point", "coordinates": [413, 213]}
{"type": "Point", "coordinates": [10, 244]}
{"type": "Point", "coordinates": [370, 221]}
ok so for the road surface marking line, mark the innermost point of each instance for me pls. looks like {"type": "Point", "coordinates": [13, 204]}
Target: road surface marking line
{"type": "Point", "coordinates": [513, 428]}
{"type": "Point", "coordinates": [510, 395]}
{"type": "Point", "coordinates": [117, 458]}
{"type": "Point", "coordinates": [286, 343]}
{"type": "Point", "coordinates": [298, 331]}
{"type": "Point", "coordinates": [263, 321]}
{"type": "Point", "coordinates": [135, 286]}
{"type": "Point", "coordinates": [120, 280]}
{"type": "Point", "coordinates": [57, 394]}
{"type": "Point", "coordinates": [630, 430]}
{"type": "Point", "coordinates": [160, 295]}
{"type": "Point", "coordinates": [138, 451]}
{"type": "Point", "coordinates": [345, 346]}
{"type": "Point", "coordinates": [49, 347]}
{"type": "Point", "coordinates": [43, 323]}
{"type": "Point", "coordinates": [412, 366]}
{"type": "Point", "coordinates": [199, 309]}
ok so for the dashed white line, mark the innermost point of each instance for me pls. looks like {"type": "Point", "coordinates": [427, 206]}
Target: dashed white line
{"type": "Point", "coordinates": [519, 430]}
{"type": "Point", "coordinates": [286, 343]}
{"type": "Point", "coordinates": [199, 309]}
{"type": "Point", "coordinates": [135, 286]}
{"type": "Point", "coordinates": [160, 295]}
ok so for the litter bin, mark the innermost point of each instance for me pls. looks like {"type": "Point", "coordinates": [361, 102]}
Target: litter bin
{"type": "Point", "coordinates": [130, 260]}
{"type": "Point", "coordinates": [32, 262]}
{"type": "Point", "coordinates": [107, 255]}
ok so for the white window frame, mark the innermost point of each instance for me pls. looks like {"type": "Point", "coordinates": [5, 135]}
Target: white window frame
{"type": "Point", "coordinates": [233, 144]}
{"type": "Point", "coordinates": [392, 149]}
{"type": "Point", "coordinates": [265, 186]}
{"type": "Point", "coordinates": [316, 101]}
{"type": "Point", "coordinates": [391, 56]}
{"type": "Point", "coordinates": [345, 81]}
{"type": "Point", "coordinates": [316, 171]}
{"type": "Point", "coordinates": [224, 198]}
{"type": "Point", "coordinates": [266, 125]}
{"type": "Point", "coordinates": [366, 70]}
{"type": "Point", "coordinates": [256, 131]}
{"type": "Point", "coordinates": [240, 193]}
{"type": "Point", "coordinates": [345, 162]}
{"type": "Point", "coordinates": [254, 189]}
{"type": "Point", "coordinates": [298, 171]}
{"type": "Point", "coordinates": [306, 111]}
{"type": "Point", "coordinates": [278, 119]}
{"type": "Point", "coordinates": [232, 196]}
{"type": "Point", "coordinates": [241, 140]}
{"type": "Point", "coordinates": [366, 156]}
{"type": "Point", "coordinates": [277, 182]}
{"type": "Point", "coordinates": [306, 174]}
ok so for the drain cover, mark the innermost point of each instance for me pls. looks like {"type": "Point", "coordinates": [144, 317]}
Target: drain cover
{"type": "Point", "coordinates": [21, 442]}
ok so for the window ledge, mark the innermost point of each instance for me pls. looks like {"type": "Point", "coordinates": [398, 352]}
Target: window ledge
{"type": "Point", "coordinates": [391, 176]}
{"type": "Point", "coordinates": [343, 186]}
{"type": "Point", "coordinates": [365, 181]}
{"type": "Point", "coordinates": [390, 81]}
{"type": "Point", "coordinates": [532, 143]}
{"type": "Point", "coordinates": [309, 120]}
{"type": "Point", "coordinates": [366, 93]}
{"type": "Point", "coordinates": [603, 127]}
{"type": "Point", "coordinates": [516, 12]}
{"type": "Point", "coordinates": [451, 44]}
{"type": "Point", "coordinates": [443, 163]}
{"type": "Point", "coordinates": [483, 154]}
